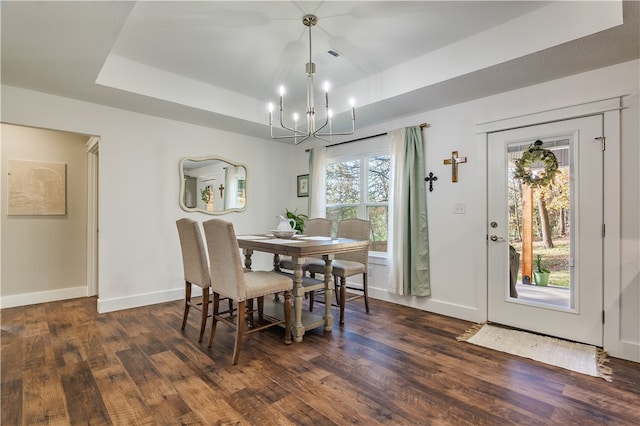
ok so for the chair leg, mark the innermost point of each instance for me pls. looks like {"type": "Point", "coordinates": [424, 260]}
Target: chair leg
{"type": "Point", "coordinates": [216, 310]}
{"type": "Point", "coordinates": [365, 287]}
{"type": "Point", "coordinates": [205, 312]}
{"type": "Point", "coordinates": [261, 310]}
{"type": "Point", "coordinates": [287, 317]}
{"type": "Point", "coordinates": [249, 319]}
{"type": "Point", "coordinates": [239, 331]}
{"type": "Point", "coordinates": [187, 303]}
{"type": "Point", "coordinates": [343, 297]}
{"type": "Point", "coordinates": [312, 294]}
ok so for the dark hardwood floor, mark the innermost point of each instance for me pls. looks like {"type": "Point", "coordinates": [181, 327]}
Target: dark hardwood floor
{"type": "Point", "coordinates": [62, 363]}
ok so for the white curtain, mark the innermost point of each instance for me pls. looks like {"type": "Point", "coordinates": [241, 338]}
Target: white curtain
{"type": "Point", "coordinates": [231, 188]}
{"type": "Point", "coordinates": [408, 253]}
{"type": "Point", "coordinates": [394, 251]}
{"type": "Point", "coordinates": [317, 182]}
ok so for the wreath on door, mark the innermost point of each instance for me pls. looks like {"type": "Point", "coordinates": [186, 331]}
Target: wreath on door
{"type": "Point", "coordinates": [534, 154]}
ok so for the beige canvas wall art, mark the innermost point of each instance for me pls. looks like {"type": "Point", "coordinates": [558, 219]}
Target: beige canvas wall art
{"type": "Point", "coordinates": [36, 188]}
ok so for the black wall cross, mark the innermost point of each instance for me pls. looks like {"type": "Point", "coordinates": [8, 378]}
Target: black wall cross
{"type": "Point", "coordinates": [431, 178]}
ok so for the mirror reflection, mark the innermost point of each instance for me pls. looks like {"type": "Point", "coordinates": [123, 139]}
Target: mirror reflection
{"type": "Point", "coordinates": [212, 185]}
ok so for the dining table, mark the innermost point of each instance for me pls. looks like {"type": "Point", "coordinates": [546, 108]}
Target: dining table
{"type": "Point", "coordinates": [299, 248]}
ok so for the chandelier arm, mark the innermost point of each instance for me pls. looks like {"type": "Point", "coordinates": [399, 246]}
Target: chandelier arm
{"type": "Point", "coordinates": [296, 142]}
{"type": "Point", "coordinates": [322, 138]}
{"type": "Point", "coordinates": [318, 135]}
{"type": "Point", "coordinates": [352, 131]}
{"type": "Point", "coordinates": [326, 121]}
{"type": "Point", "coordinates": [286, 136]}
{"type": "Point", "coordinates": [295, 131]}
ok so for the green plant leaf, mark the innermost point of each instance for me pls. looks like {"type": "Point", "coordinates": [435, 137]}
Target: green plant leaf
{"type": "Point", "coordinates": [298, 218]}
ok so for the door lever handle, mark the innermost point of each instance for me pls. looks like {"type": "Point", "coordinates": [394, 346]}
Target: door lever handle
{"type": "Point", "coordinates": [496, 238]}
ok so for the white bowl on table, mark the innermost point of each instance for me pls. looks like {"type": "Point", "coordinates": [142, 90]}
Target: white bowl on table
{"type": "Point", "coordinates": [288, 233]}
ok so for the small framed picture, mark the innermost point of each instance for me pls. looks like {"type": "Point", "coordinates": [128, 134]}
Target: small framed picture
{"type": "Point", "coordinates": [303, 185]}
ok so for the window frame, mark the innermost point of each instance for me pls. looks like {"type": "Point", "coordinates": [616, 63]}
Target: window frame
{"type": "Point", "coordinates": [364, 204]}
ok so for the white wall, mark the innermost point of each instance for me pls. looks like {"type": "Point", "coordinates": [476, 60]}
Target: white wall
{"type": "Point", "coordinates": [458, 241]}
{"type": "Point", "coordinates": [139, 255]}
{"type": "Point", "coordinates": [45, 257]}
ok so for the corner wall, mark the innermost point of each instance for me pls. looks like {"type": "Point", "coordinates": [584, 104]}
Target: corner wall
{"type": "Point", "coordinates": [44, 257]}
{"type": "Point", "coordinates": [139, 253]}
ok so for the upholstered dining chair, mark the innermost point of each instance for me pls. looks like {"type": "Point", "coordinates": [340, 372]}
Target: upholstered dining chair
{"type": "Point", "coordinates": [196, 269]}
{"type": "Point", "coordinates": [315, 227]}
{"type": "Point", "coordinates": [348, 264]}
{"type": "Point", "coordinates": [229, 279]}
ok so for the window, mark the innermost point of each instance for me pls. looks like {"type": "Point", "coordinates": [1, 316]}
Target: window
{"type": "Point", "coordinates": [359, 187]}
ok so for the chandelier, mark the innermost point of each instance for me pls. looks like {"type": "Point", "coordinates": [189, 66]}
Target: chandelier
{"type": "Point", "coordinates": [312, 130]}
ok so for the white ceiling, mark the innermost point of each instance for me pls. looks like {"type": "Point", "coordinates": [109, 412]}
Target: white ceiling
{"type": "Point", "coordinates": [218, 63]}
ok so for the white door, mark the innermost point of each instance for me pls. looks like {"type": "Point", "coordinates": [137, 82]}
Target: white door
{"type": "Point", "coordinates": [570, 306]}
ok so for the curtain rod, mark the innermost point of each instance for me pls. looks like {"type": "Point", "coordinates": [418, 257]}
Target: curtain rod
{"type": "Point", "coordinates": [422, 126]}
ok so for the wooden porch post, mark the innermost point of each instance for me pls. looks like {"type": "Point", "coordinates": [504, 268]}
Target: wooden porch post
{"type": "Point", "coordinates": [527, 231]}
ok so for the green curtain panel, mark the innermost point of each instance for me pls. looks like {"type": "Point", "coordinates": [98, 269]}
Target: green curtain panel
{"type": "Point", "coordinates": [408, 256]}
{"type": "Point", "coordinates": [415, 233]}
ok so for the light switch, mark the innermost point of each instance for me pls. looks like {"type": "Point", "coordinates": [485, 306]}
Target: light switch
{"type": "Point", "coordinates": [459, 208]}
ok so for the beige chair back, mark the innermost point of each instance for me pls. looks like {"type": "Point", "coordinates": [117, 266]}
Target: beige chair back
{"type": "Point", "coordinates": [356, 229]}
{"type": "Point", "coordinates": [194, 257]}
{"type": "Point", "coordinates": [225, 263]}
{"type": "Point", "coordinates": [318, 227]}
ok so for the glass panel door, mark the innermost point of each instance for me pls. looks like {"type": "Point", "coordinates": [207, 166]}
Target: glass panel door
{"type": "Point", "coordinates": [556, 227]}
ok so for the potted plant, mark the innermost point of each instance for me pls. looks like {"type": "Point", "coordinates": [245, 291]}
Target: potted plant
{"type": "Point", "coordinates": [541, 275]}
{"type": "Point", "coordinates": [298, 218]}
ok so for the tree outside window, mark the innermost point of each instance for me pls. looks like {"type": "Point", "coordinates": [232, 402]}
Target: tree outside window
{"type": "Point", "coordinates": [346, 198]}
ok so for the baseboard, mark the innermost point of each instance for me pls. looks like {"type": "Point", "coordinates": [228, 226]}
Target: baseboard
{"type": "Point", "coordinates": [625, 350]}
{"type": "Point", "coordinates": [135, 301]}
{"type": "Point", "coordinates": [428, 304]}
{"type": "Point", "coordinates": [42, 297]}
{"type": "Point", "coordinates": [468, 313]}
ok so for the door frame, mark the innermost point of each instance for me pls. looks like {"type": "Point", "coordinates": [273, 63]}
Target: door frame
{"type": "Point", "coordinates": [610, 109]}
{"type": "Point", "coordinates": [93, 147]}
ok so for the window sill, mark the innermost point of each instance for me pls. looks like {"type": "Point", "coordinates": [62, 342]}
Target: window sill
{"type": "Point", "coordinates": [378, 258]}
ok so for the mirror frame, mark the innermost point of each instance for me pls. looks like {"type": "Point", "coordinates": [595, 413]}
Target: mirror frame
{"type": "Point", "coordinates": [181, 195]}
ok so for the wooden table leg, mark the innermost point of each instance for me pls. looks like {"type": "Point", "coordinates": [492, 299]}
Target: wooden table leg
{"type": "Point", "coordinates": [247, 258]}
{"type": "Point", "coordinates": [298, 297]}
{"type": "Point", "coordinates": [328, 292]}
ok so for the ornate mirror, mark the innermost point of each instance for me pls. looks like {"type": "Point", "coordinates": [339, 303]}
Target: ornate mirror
{"type": "Point", "coordinates": [212, 185]}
